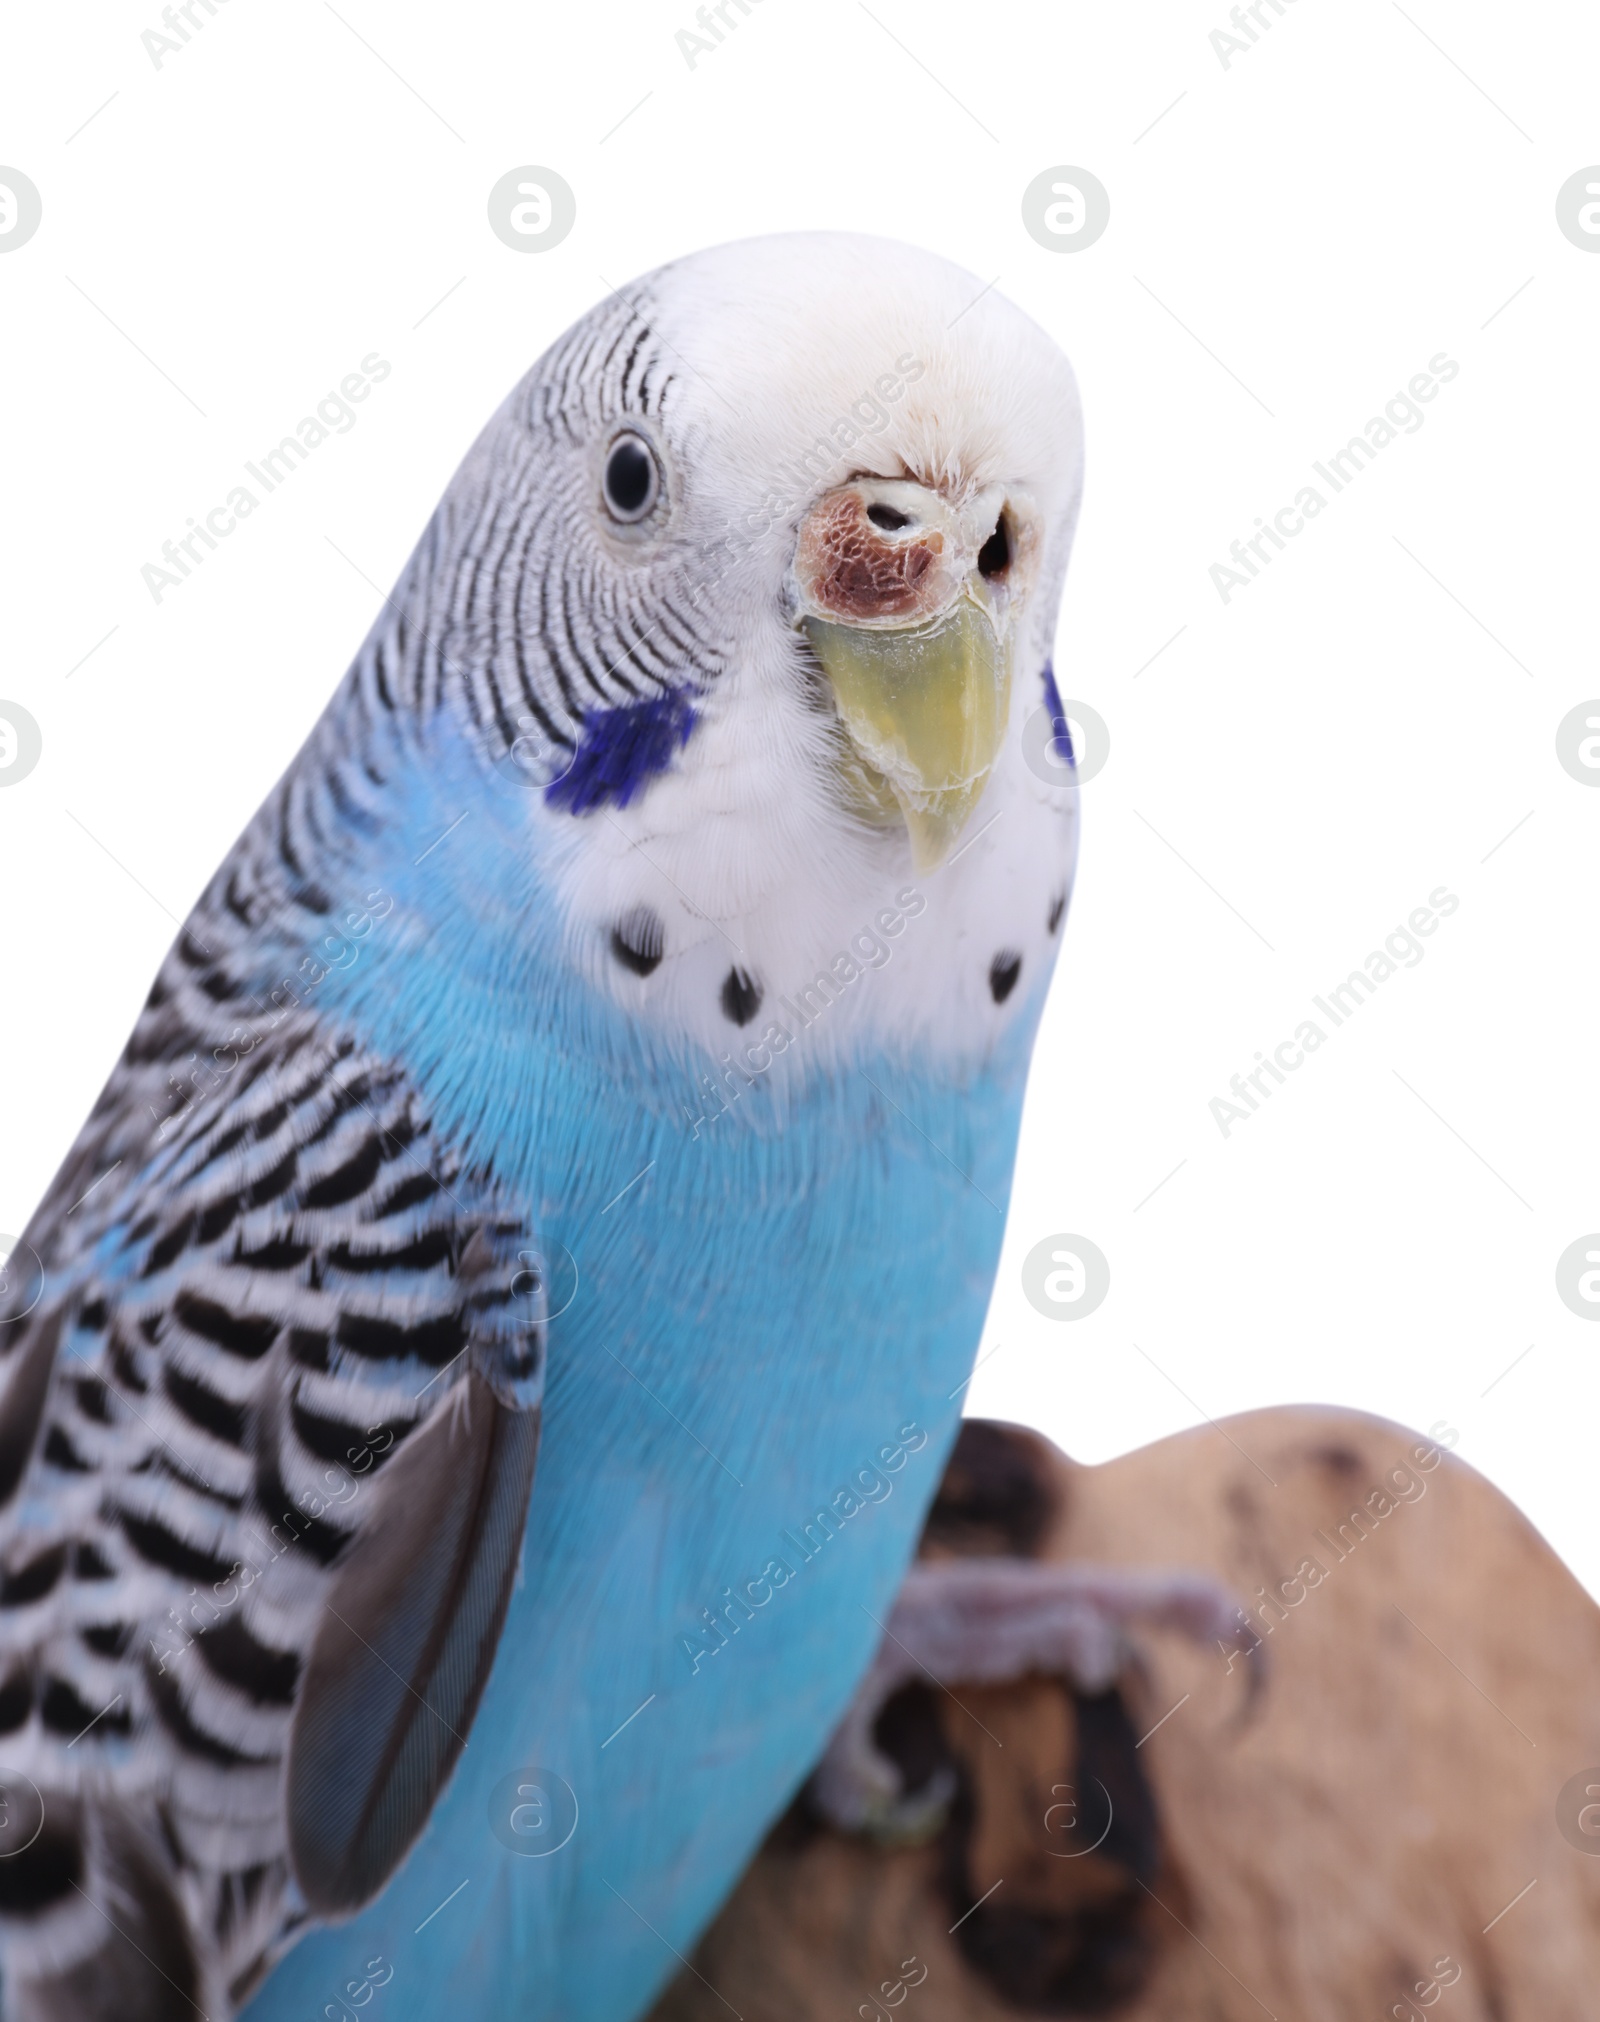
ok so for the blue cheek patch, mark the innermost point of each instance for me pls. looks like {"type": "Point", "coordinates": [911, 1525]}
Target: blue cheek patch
{"type": "Point", "coordinates": [621, 751]}
{"type": "Point", "coordinates": [1058, 716]}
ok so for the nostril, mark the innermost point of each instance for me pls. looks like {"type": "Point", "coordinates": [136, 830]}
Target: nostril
{"type": "Point", "coordinates": [994, 557]}
{"type": "Point", "coordinates": [887, 518]}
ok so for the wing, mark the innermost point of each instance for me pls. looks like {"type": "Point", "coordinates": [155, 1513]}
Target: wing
{"type": "Point", "coordinates": [267, 1440]}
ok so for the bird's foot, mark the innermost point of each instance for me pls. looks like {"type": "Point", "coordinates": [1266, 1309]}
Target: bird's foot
{"type": "Point", "coordinates": [988, 1622]}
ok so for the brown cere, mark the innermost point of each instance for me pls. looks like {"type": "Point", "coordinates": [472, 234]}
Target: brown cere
{"type": "Point", "coordinates": [856, 573]}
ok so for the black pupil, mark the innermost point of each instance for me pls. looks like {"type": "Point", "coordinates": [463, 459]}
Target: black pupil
{"type": "Point", "coordinates": [629, 476]}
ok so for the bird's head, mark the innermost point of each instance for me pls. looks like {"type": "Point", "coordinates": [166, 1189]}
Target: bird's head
{"type": "Point", "coordinates": [760, 565]}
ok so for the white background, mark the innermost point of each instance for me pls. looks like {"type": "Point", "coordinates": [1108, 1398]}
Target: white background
{"type": "Point", "coordinates": [1289, 243]}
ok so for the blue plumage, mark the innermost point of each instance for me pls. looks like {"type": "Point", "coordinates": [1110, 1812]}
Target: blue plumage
{"type": "Point", "coordinates": [1061, 729]}
{"type": "Point", "coordinates": [756, 1319]}
{"type": "Point", "coordinates": [619, 751]}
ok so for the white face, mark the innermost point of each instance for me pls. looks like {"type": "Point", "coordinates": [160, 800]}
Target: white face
{"type": "Point", "coordinates": [858, 447]}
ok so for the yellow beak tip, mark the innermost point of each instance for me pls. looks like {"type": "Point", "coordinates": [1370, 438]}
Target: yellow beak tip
{"type": "Point", "coordinates": [925, 707]}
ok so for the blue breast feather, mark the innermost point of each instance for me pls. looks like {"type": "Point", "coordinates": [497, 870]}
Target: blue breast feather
{"type": "Point", "coordinates": [758, 1316]}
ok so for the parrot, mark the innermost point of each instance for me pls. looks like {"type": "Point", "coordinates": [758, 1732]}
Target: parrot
{"type": "Point", "coordinates": [471, 1394]}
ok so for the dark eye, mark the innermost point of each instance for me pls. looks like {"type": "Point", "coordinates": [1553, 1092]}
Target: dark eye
{"type": "Point", "coordinates": [632, 481]}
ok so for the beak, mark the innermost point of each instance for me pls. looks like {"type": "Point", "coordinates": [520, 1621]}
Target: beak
{"type": "Point", "coordinates": [908, 604]}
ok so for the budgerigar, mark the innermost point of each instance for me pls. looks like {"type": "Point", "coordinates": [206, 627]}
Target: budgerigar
{"type": "Point", "coordinates": [472, 1391]}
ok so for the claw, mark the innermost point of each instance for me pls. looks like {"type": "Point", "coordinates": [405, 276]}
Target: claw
{"type": "Point", "coordinates": [989, 1622]}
